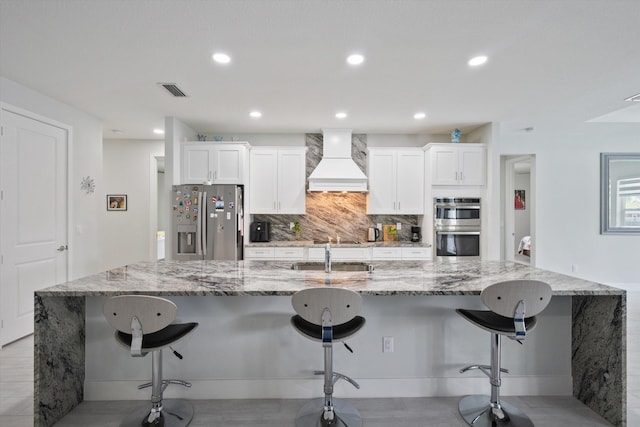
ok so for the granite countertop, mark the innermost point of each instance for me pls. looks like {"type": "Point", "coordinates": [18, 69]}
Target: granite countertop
{"type": "Point", "coordinates": [201, 278]}
{"type": "Point", "coordinates": [312, 244]}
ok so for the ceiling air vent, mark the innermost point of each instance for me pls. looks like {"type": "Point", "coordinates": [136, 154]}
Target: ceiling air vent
{"type": "Point", "coordinates": [633, 98]}
{"type": "Point", "coordinates": [173, 89]}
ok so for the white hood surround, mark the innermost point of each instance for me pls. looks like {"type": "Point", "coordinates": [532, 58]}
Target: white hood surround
{"type": "Point", "coordinates": [337, 170]}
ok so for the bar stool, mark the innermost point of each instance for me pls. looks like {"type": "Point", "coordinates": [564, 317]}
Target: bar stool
{"type": "Point", "coordinates": [328, 314]}
{"type": "Point", "coordinates": [144, 325]}
{"type": "Point", "coordinates": [514, 305]}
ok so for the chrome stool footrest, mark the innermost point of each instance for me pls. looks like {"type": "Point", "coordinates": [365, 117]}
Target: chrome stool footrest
{"type": "Point", "coordinates": [486, 369]}
{"type": "Point", "coordinates": [165, 383]}
{"type": "Point", "coordinates": [337, 376]}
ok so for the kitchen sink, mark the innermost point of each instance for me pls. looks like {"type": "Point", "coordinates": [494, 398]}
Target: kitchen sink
{"type": "Point", "coordinates": [335, 266]}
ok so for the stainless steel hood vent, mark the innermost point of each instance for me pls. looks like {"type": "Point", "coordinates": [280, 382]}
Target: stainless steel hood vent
{"type": "Point", "coordinates": [337, 171]}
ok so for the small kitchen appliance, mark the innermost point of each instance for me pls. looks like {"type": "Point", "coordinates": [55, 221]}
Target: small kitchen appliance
{"type": "Point", "coordinates": [260, 231]}
{"type": "Point", "coordinates": [416, 235]}
{"type": "Point", "coordinates": [372, 234]}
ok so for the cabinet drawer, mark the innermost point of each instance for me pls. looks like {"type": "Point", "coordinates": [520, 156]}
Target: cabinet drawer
{"type": "Point", "coordinates": [337, 254]}
{"type": "Point", "coordinates": [288, 253]}
{"type": "Point", "coordinates": [416, 253]}
{"type": "Point", "coordinates": [258, 253]}
{"type": "Point", "coordinates": [387, 253]}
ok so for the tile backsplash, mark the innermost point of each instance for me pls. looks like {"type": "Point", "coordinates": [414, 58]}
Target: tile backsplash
{"type": "Point", "coordinates": [333, 214]}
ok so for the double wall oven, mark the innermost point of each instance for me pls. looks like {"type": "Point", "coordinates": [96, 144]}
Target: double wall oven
{"type": "Point", "coordinates": [457, 227]}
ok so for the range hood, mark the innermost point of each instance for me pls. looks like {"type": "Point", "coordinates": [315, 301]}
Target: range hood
{"type": "Point", "coordinates": [337, 171]}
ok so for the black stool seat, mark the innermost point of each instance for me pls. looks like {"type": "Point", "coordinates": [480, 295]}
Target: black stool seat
{"type": "Point", "coordinates": [162, 338]}
{"type": "Point", "coordinates": [494, 322]}
{"type": "Point", "coordinates": [341, 331]}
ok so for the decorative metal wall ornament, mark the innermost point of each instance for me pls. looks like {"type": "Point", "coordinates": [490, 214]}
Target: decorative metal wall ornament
{"type": "Point", "coordinates": [88, 185]}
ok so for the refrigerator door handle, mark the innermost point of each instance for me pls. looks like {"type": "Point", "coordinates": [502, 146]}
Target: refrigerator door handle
{"type": "Point", "coordinates": [199, 231]}
{"type": "Point", "coordinates": [203, 223]}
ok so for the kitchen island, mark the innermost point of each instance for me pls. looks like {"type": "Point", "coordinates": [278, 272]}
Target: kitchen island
{"type": "Point", "coordinates": [595, 353]}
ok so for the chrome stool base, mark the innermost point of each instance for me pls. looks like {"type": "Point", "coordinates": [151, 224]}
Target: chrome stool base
{"type": "Point", "coordinates": [346, 415]}
{"type": "Point", "coordinates": [476, 411]}
{"type": "Point", "coordinates": [174, 413]}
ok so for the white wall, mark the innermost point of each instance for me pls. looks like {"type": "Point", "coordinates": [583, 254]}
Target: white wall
{"type": "Point", "coordinates": [567, 208]}
{"type": "Point", "coordinates": [129, 168]}
{"type": "Point", "coordinates": [85, 159]}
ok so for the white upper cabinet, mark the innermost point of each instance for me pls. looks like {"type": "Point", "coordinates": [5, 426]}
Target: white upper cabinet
{"type": "Point", "coordinates": [221, 163]}
{"type": "Point", "coordinates": [396, 181]}
{"type": "Point", "coordinates": [277, 180]}
{"type": "Point", "coordinates": [458, 164]}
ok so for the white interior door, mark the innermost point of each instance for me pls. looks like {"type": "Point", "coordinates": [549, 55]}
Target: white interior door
{"type": "Point", "coordinates": [33, 217]}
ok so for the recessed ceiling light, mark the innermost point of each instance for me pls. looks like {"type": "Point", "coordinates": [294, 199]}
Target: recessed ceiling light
{"type": "Point", "coordinates": [477, 60]}
{"type": "Point", "coordinates": [341, 115]}
{"type": "Point", "coordinates": [255, 114]}
{"type": "Point", "coordinates": [355, 59]}
{"type": "Point", "coordinates": [419, 116]}
{"type": "Point", "coordinates": [158, 131]}
{"type": "Point", "coordinates": [221, 58]}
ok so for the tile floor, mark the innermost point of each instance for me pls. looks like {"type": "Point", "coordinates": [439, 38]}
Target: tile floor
{"type": "Point", "coordinates": [16, 400]}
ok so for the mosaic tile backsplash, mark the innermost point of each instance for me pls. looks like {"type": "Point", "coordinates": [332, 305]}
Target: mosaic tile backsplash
{"type": "Point", "coordinates": [333, 214]}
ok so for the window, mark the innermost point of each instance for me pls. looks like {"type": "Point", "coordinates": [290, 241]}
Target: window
{"type": "Point", "coordinates": [620, 193]}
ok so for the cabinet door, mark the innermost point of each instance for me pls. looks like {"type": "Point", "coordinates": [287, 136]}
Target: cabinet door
{"type": "Point", "coordinates": [263, 180]}
{"type": "Point", "coordinates": [444, 165]}
{"type": "Point", "coordinates": [382, 182]}
{"type": "Point", "coordinates": [410, 182]}
{"type": "Point", "coordinates": [196, 164]}
{"type": "Point", "coordinates": [229, 165]}
{"type": "Point", "coordinates": [286, 253]}
{"type": "Point", "coordinates": [259, 253]}
{"type": "Point", "coordinates": [386, 253]}
{"type": "Point", "coordinates": [472, 166]}
{"type": "Point", "coordinates": [291, 182]}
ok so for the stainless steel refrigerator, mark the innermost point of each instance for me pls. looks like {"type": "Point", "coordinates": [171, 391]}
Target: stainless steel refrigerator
{"type": "Point", "coordinates": [207, 222]}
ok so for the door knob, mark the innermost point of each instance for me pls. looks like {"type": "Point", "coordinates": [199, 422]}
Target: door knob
{"type": "Point", "coordinates": [62, 248]}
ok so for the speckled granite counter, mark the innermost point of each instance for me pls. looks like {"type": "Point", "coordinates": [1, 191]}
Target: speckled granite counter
{"type": "Point", "coordinates": [598, 314]}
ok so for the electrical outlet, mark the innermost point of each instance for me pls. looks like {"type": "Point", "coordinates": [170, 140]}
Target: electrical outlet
{"type": "Point", "coordinates": [291, 226]}
{"type": "Point", "coordinates": [387, 344]}
{"type": "Point", "coordinates": [398, 226]}
{"type": "Point", "coordinates": [379, 226]}
{"type": "Point", "coordinates": [574, 268]}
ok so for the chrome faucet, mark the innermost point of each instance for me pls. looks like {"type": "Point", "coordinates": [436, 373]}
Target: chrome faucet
{"type": "Point", "coordinates": [327, 258]}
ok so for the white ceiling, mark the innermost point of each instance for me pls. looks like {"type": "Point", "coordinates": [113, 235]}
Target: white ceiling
{"type": "Point", "coordinates": [566, 61]}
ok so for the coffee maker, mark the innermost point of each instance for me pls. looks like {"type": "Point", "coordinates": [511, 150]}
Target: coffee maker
{"type": "Point", "coordinates": [416, 236]}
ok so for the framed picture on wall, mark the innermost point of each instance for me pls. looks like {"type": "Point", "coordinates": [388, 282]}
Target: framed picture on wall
{"type": "Point", "coordinates": [116, 202]}
{"type": "Point", "coordinates": [518, 199]}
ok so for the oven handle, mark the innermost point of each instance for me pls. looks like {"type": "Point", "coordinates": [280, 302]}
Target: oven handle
{"type": "Point", "coordinates": [450, 205]}
{"type": "Point", "coordinates": [466, 233]}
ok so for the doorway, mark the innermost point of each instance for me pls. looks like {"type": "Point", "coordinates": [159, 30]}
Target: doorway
{"type": "Point", "coordinates": [33, 215]}
{"type": "Point", "coordinates": [519, 202]}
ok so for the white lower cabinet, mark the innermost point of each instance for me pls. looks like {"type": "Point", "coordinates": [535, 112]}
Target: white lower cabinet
{"type": "Point", "coordinates": [341, 254]}
{"type": "Point", "coordinates": [416, 254]}
{"type": "Point", "coordinates": [383, 254]}
{"type": "Point", "coordinates": [258, 253]}
{"type": "Point", "coordinates": [299, 253]}
{"type": "Point", "coordinates": [274, 253]}
{"type": "Point", "coordinates": [284, 253]}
